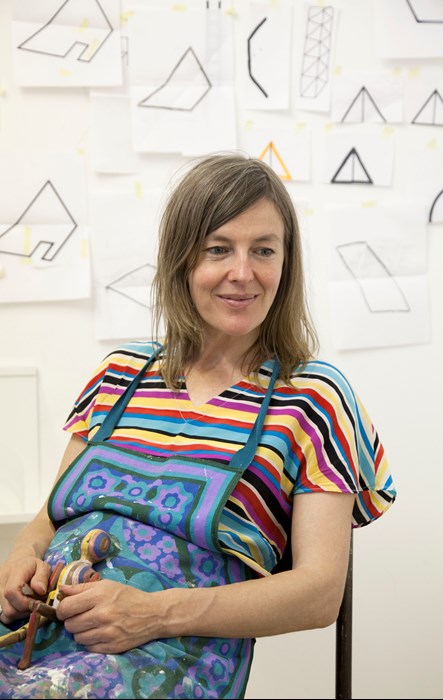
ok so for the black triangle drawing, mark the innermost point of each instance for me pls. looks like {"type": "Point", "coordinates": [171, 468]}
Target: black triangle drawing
{"type": "Point", "coordinates": [12, 239]}
{"type": "Point", "coordinates": [359, 102]}
{"type": "Point", "coordinates": [431, 113]}
{"type": "Point", "coordinates": [190, 58]}
{"type": "Point", "coordinates": [352, 163]}
{"type": "Point", "coordinates": [49, 32]}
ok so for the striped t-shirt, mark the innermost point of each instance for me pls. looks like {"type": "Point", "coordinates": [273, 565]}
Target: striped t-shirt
{"type": "Point", "coordinates": [316, 436]}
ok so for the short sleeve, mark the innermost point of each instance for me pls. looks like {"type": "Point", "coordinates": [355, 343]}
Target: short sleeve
{"type": "Point", "coordinates": [339, 447]}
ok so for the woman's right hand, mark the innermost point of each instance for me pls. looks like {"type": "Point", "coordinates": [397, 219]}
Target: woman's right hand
{"type": "Point", "coordinates": [27, 573]}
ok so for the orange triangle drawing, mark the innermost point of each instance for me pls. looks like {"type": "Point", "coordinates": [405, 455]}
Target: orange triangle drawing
{"type": "Point", "coordinates": [272, 151]}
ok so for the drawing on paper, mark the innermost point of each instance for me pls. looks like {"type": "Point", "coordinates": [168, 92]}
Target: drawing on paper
{"type": "Point", "coordinates": [426, 11]}
{"type": "Point", "coordinates": [436, 211]}
{"type": "Point", "coordinates": [134, 284]}
{"type": "Point", "coordinates": [60, 36]}
{"type": "Point", "coordinates": [317, 50]}
{"type": "Point", "coordinates": [273, 158]}
{"type": "Point", "coordinates": [364, 107]}
{"type": "Point", "coordinates": [381, 291]}
{"type": "Point", "coordinates": [184, 88]}
{"type": "Point", "coordinates": [352, 171]}
{"type": "Point", "coordinates": [431, 113]}
{"type": "Point", "coordinates": [250, 57]}
{"type": "Point", "coordinates": [27, 238]}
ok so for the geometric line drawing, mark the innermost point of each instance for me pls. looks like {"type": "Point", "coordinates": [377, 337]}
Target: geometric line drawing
{"type": "Point", "coordinates": [431, 113]}
{"type": "Point", "coordinates": [272, 152]}
{"type": "Point", "coordinates": [364, 104]}
{"type": "Point", "coordinates": [59, 36]}
{"type": "Point", "coordinates": [25, 237]}
{"type": "Point", "coordinates": [183, 89]}
{"type": "Point", "coordinates": [352, 171]}
{"type": "Point", "coordinates": [436, 211]}
{"type": "Point", "coordinates": [381, 292]}
{"type": "Point", "coordinates": [316, 53]}
{"type": "Point", "coordinates": [426, 11]}
{"type": "Point", "coordinates": [133, 284]}
{"type": "Point", "coordinates": [250, 57]}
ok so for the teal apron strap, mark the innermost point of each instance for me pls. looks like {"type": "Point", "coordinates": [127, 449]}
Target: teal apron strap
{"type": "Point", "coordinates": [244, 456]}
{"type": "Point", "coordinates": [240, 459]}
{"type": "Point", "coordinates": [114, 415]}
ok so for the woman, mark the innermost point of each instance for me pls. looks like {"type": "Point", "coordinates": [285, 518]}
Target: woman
{"type": "Point", "coordinates": [204, 459]}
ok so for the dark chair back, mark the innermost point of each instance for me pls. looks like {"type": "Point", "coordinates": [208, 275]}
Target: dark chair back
{"type": "Point", "coordinates": [343, 638]}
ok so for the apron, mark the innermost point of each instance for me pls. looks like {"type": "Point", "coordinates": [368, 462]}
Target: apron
{"type": "Point", "coordinates": [162, 515]}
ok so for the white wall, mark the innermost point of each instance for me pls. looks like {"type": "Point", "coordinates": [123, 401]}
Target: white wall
{"type": "Point", "coordinates": [398, 565]}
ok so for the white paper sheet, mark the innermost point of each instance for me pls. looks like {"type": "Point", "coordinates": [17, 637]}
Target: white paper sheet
{"type": "Point", "coordinates": [267, 34]}
{"type": "Point", "coordinates": [378, 284]}
{"type": "Point", "coordinates": [65, 43]}
{"type": "Point", "coordinates": [367, 96]}
{"type": "Point", "coordinates": [358, 158]}
{"type": "Point", "coordinates": [286, 150]}
{"type": "Point", "coordinates": [316, 48]}
{"type": "Point", "coordinates": [43, 232]}
{"type": "Point", "coordinates": [124, 227]}
{"type": "Point", "coordinates": [181, 75]}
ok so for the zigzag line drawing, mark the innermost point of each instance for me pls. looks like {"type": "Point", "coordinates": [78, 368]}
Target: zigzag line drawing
{"type": "Point", "coordinates": [431, 112]}
{"type": "Point", "coordinates": [352, 163]}
{"type": "Point", "coordinates": [371, 273]}
{"type": "Point", "coordinates": [360, 101]}
{"type": "Point", "coordinates": [17, 239]}
{"type": "Point", "coordinates": [423, 12]}
{"type": "Point", "coordinates": [58, 37]}
{"type": "Point", "coordinates": [191, 95]}
{"type": "Point", "coordinates": [250, 37]}
{"type": "Point", "coordinates": [317, 48]}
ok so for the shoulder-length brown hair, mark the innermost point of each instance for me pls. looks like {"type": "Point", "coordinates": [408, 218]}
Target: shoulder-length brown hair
{"type": "Point", "coordinates": [214, 190]}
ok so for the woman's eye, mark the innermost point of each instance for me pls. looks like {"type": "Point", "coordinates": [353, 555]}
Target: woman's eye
{"type": "Point", "coordinates": [216, 250]}
{"type": "Point", "coordinates": [265, 252]}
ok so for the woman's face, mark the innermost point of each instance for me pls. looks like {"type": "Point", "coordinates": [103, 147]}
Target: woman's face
{"type": "Point", "coordinates": [238, 273]}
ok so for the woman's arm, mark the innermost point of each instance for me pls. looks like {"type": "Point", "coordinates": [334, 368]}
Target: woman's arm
{"type": "Point", "coordinates": [307, 597]}
{"type": "Point", "coordinates": [24, 562]}
{"type": "Point", "coordinates": [109, 617]}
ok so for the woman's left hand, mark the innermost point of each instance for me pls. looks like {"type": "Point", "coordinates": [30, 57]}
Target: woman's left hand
{"type": "Point", "coordinates": [107, 617]}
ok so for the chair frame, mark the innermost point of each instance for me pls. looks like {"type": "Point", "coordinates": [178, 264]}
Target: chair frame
{"type": "Point", "coordinates": [343, 637]}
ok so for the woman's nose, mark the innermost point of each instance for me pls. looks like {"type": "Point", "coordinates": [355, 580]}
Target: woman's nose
{"type": "Point", "coordinates": [241, 268]}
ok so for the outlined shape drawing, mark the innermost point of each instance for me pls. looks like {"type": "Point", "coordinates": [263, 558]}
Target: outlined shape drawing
{"type": "Point", "coordinates": [431, 113]}
{"type": "Point", "coordinates": [317, 51]}
{"type": "Point", "coordinates": [133, 285]}
{"type": "Point", "coordinates": [426, 11]}
{"type": "Point", "coordinates": [363, 105]}
{"type": "Point", "coordinates": [250, 57]}
{"type": "Point", "coordinates": [436, 210]}
{"type": "Point", "coordinates": [60, 36]}
{"type": "Point", "coordinates": [270, 155]}
{"type": "Point", "coordinates": [184, 88]}
{"type": "Point", "coordinates": [25, 237]}
{"type": "Point", "coordinates": [352, 171]}
{"type": "Point", "coordinates": [381, 291]}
